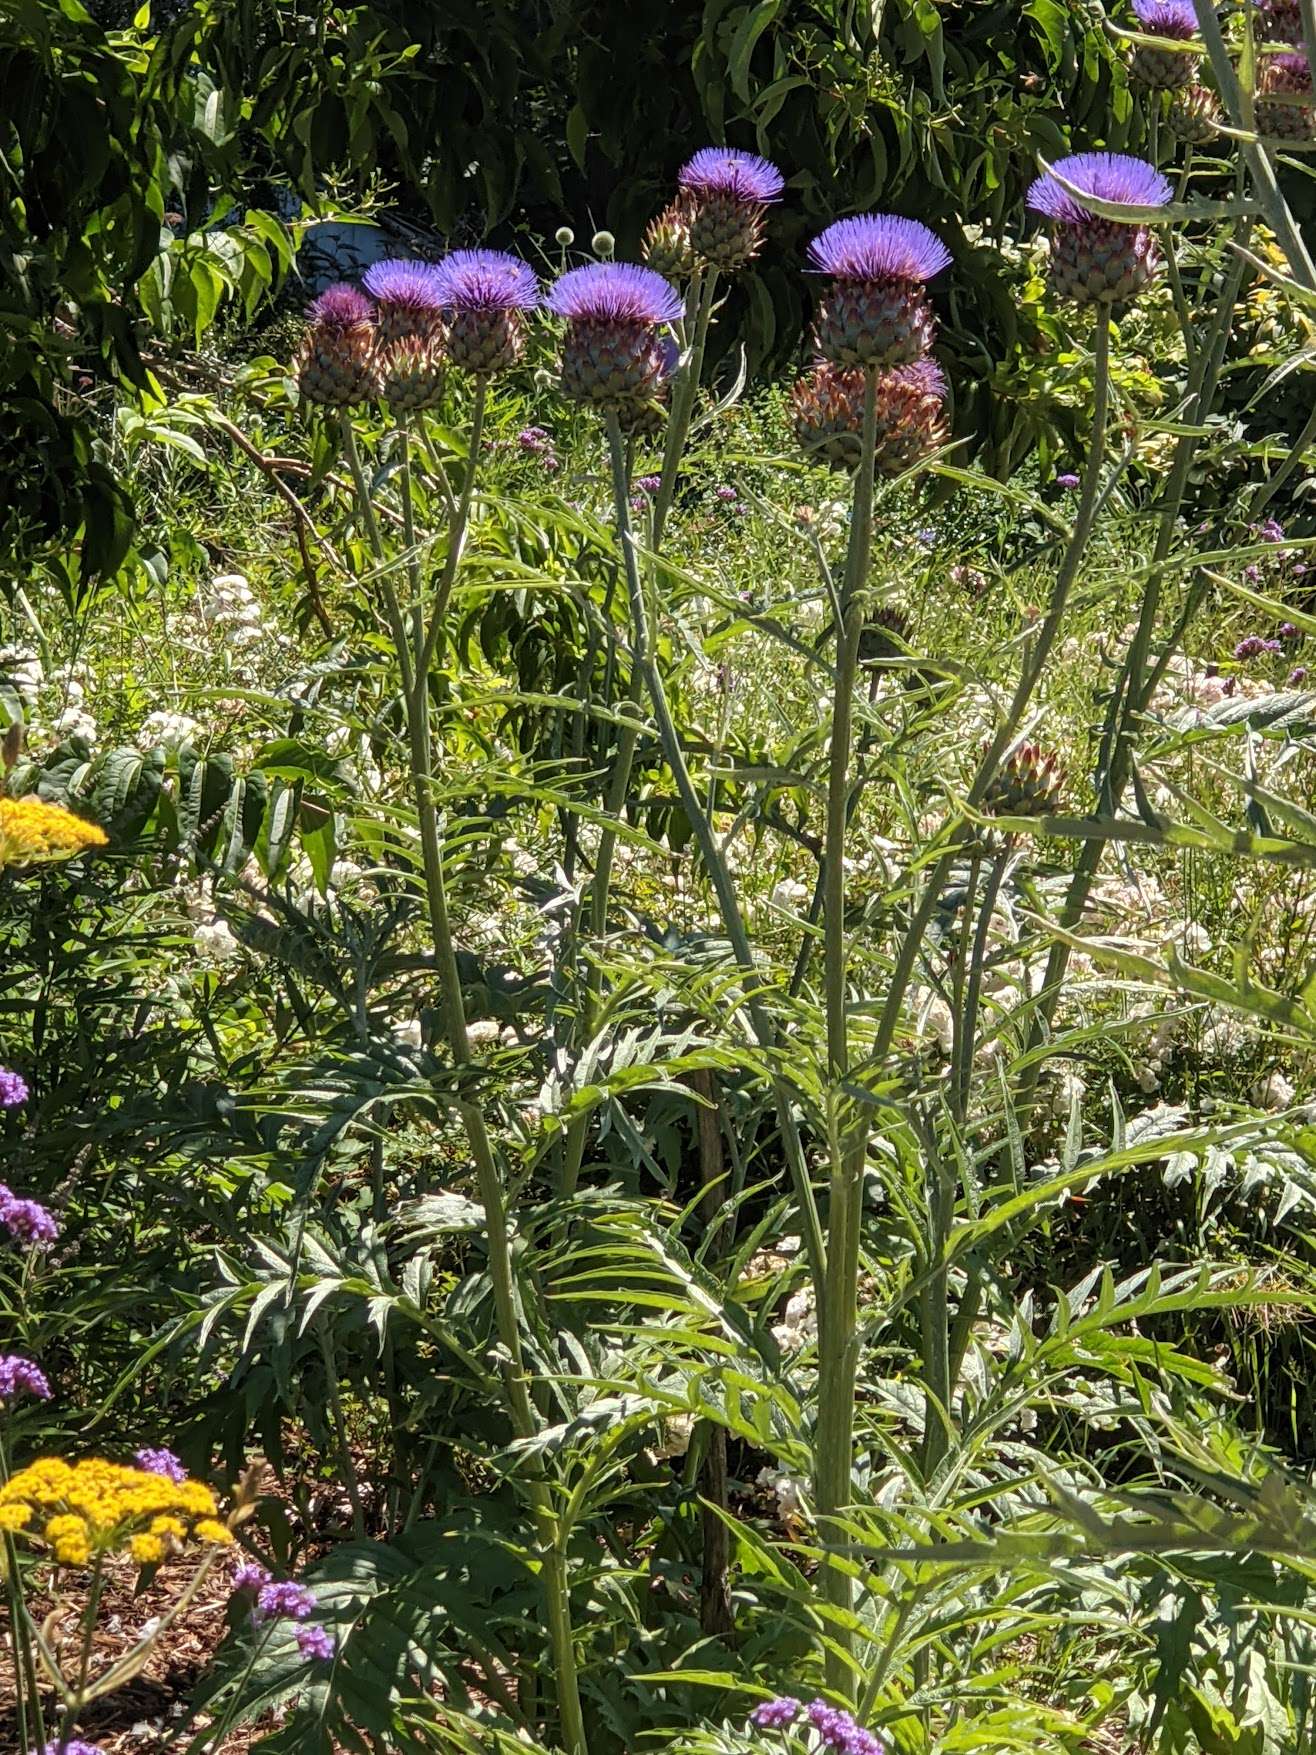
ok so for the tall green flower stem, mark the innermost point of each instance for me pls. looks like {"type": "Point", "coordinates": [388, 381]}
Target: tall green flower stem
{"type": "Point", "coordinates": [31, 1721]}
{"type": "Point", "coordinates": [955, 832]}
{"type": "Point", "coordinates": [715, 865]}
{"type": "Point", "coordinates": [685, 391]}
{"type": "Point", "coordinates": [502, 1272]}
{"type": "Point", "coordinates": [1137, 682]}
{"type": "Point", "coordinates": [838, 1303]}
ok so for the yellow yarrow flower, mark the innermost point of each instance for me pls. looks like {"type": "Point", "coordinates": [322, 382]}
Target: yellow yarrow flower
{"type": "Point", "coordinates": [33, 832]}
{"type": "Point", "coordinates": [103, 1507]}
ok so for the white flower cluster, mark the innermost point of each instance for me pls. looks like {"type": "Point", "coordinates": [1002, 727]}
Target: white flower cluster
{"type": "Point", "coordinates": [73, 719]}
{"type": "Point", "coordinates": [22, 669]}
{"type": "Point", "coordinates": [229, 607]}
{"type": "Point", "coordinates": [172, 730]}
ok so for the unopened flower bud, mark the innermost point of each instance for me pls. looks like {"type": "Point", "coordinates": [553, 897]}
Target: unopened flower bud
{"type": "Point", "coordinates": [565, 236]}
{"type": "Point", "coordinates": [603, 244]}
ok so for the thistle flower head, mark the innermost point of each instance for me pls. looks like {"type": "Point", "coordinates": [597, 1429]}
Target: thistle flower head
{"type": "Point", "coordinates": [723, 170]}
{"type": "Point", "coordinates": [341, 307]}
{"type": "Point", "coordinates": [19, 1376]}
{"type": "Point", "coordinates": [405, 285]}
{"type": "Point", "coordinates": [1176, 19]}
{"type": "Point", "coordinates": [13, 1089]}
{"type": "Point", "coordinates": [1109, 176]}
{"type": "Point", "coordinates": [614, 292]}
{"type": "Point", "coordinates": [879, 247]}
{"type": "Point", "coordinates": [485, 280]}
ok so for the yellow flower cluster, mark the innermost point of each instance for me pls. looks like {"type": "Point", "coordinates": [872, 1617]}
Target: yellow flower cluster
{"type": "Point", "coordinates": [97, 1507]}
{"type": "Point", "coordinates": [32, 831]}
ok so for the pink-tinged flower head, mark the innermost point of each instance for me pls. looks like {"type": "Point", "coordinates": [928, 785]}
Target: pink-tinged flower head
{"type": "Point", "coordinates": [1110, 176]}
{"type": "Point", "coordinates": [161, 1462]}
{"type": "Point", "coordinates": [775, 1715]}
{"type": "Point", "coordinates": [77, 1747]}
{"type": "Point", "coordinates": [485, 280]}
{"type": "Point", "coordinates": [723, 170]}
{"type": "Point", "coordinates": [1176, 19]}
{"type": "Point", "coordinates": [21, 1377]}
{"type": "Point", "coordinates": [13, 1089]}
{"type": "Point", "coordinates": [341, 307]}
{"type": "Point", "coordinates": [614, 292]}
{"type": "Point", "coordinates": [315, 1642]}
{"type": "Point", "coordinates": [250, 1575]}
{"type": "Point", "coordinates": [26, 1221]}
{"type": "Point", "coordinates": [879, 247]}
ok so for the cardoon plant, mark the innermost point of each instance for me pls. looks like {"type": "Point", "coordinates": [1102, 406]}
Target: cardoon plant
{"type": "Point", "coordinates": [667, 248]}
{"type": "Point", "coordinates": [612, 355]}
{"type": "Point", "coordinates": [1096, 259]}
{"type": "Point", "coordinates": [1285, 101]}
{"type": "Point", "coordinates": [729, 193]}
{"type": "Point", "coordinates": [337, 364]}
{"type": "Point", "coordinates": [1277, 21]}
{"type": "Point", "coordinates": [407, 297]}
{"type": "Point", "coordinates": [1164, 69]}
{"type": "Point", "coordinates": [485, 295]}
{"type": "Point", "coordinates": [876, 312]}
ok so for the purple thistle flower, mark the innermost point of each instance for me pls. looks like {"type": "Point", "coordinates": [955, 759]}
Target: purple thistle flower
{"type": "Point", "coordinates": [614, 292]}
{"type": "Point", "coordinates": [879, 247]}
{"type": "Point", "coordinates": [21, 1377]}
{"type": "Point", "coordinates": [775, 1715]}
{"type": "Point", "coordinates": [281, 1598]}
{"type": "Point", "coordinates": [13, 1089]}
{"type": "Point", "coordinates": [250, 1575]}
{"type": "Point", "coordinates": [1068, 480]}
{"type": "Point", "coordinates": [723, 170]}
{"type": "Point", "coordinates": [341, 307]}
{"type": "Point", "coordinates": [1166, 18]}
{"type": "Point", "coordinates": [412, 286]}
{"type": "Point", "coordinates": [315, 1642]}
{"type": "Point", "coordinates": [1110, 176]}
{"type": "Point", "coordinates": [485, 280]}
{"type": "Point", "coordinates": [161, 1462]}
{"type": "Point", "coordinates": [27, 1221]}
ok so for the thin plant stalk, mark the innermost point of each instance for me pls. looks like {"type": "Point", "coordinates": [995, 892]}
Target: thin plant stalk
{"type": "Point", "coordinates": [839, 1303]}
{"type": "Point", "coordinates": [710, 853]}
{"type": "Point", "coordinates": [502, 1271]}
{"type": "Point", "coordinates": [685, 392]}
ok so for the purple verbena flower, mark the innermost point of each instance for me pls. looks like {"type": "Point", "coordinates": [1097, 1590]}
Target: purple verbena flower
{"type": "Point", "coordinates": [1271, 531]}
{"type": "Point", "coordinates": [21, 1377]}
{"type": "Point", "coordinates": [341, 307]}
{"type": "Point", "coordinates": [1253, 645]}
{"type": "Point", "coordinates": [879, 247]}
{"type": "Point", "coordinates": [1067, 480]}
{"type": "Point", "coordinates": [649, 484]}
{"type": "Point", "coordinates": [1297, 675]}
{"type": "Point", "coordinates": [250, 1575]}
{"type": "Point", "coordinates": [723, 170]}
{"type": "Point", "coordinates": [485, 280]}
{"type": "Point", "coordinates": [614, 292]}
{"type": "Point", "coordinates": [838, 1730]}
{"type": "Point", "coordinates": [77, 1747]}
{"type": "Point", "coordinates": [315, 1642]}
{"type": "Point", "coordinates": [534, 439]}
{"type": "Point", "coordinates": [926, 536]}
{"type": "Point", "coordinates": [1176, 19]}
{"type": "Point", "coordinates": [13, 1089]}
{"type": "Point", "coordinates": [284, 1597]}
{"type": "Point", "coordinates": [1109, 176]}
{"type": "Point", "coordinates": [775, 1715]}
{"type": "Point", "coordinates": [26, 1221]}
{"type": "Point", "coordinates": [725, 493]}
{"type": "Point", "coordinates": [161, 1462]}
{"type": "Point", "coordinates": [1252, 573]}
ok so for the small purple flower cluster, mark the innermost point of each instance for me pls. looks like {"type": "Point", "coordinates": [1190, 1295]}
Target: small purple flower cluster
{"type": "Point", "coordinates": [20, 1376]}
{"type": "Point", "coordinates": [13, 1089]}
{"type": "Point", "coordinates": [835, 1727]}
{"type": "Point", "coordinates": [161, 1462]}
{"type": "Point", "coordinates": [1067, 480]}
{"type": "Point", "coordinates": [538, 442]}
{"type": "Point", "coordinates": [26, 1221]}
{"type": "Point", "coordinates": [1253, 645]}
{"type": "Point", "coordinates": [284, 1599]}
{"type": "Point", "coordinates": [77, 1747]}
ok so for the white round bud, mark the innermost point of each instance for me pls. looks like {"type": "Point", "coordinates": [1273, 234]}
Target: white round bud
{"type": "Point", "coordinates": [565, 236]}
{"type": "Point", "coordinates": [603, 243]}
